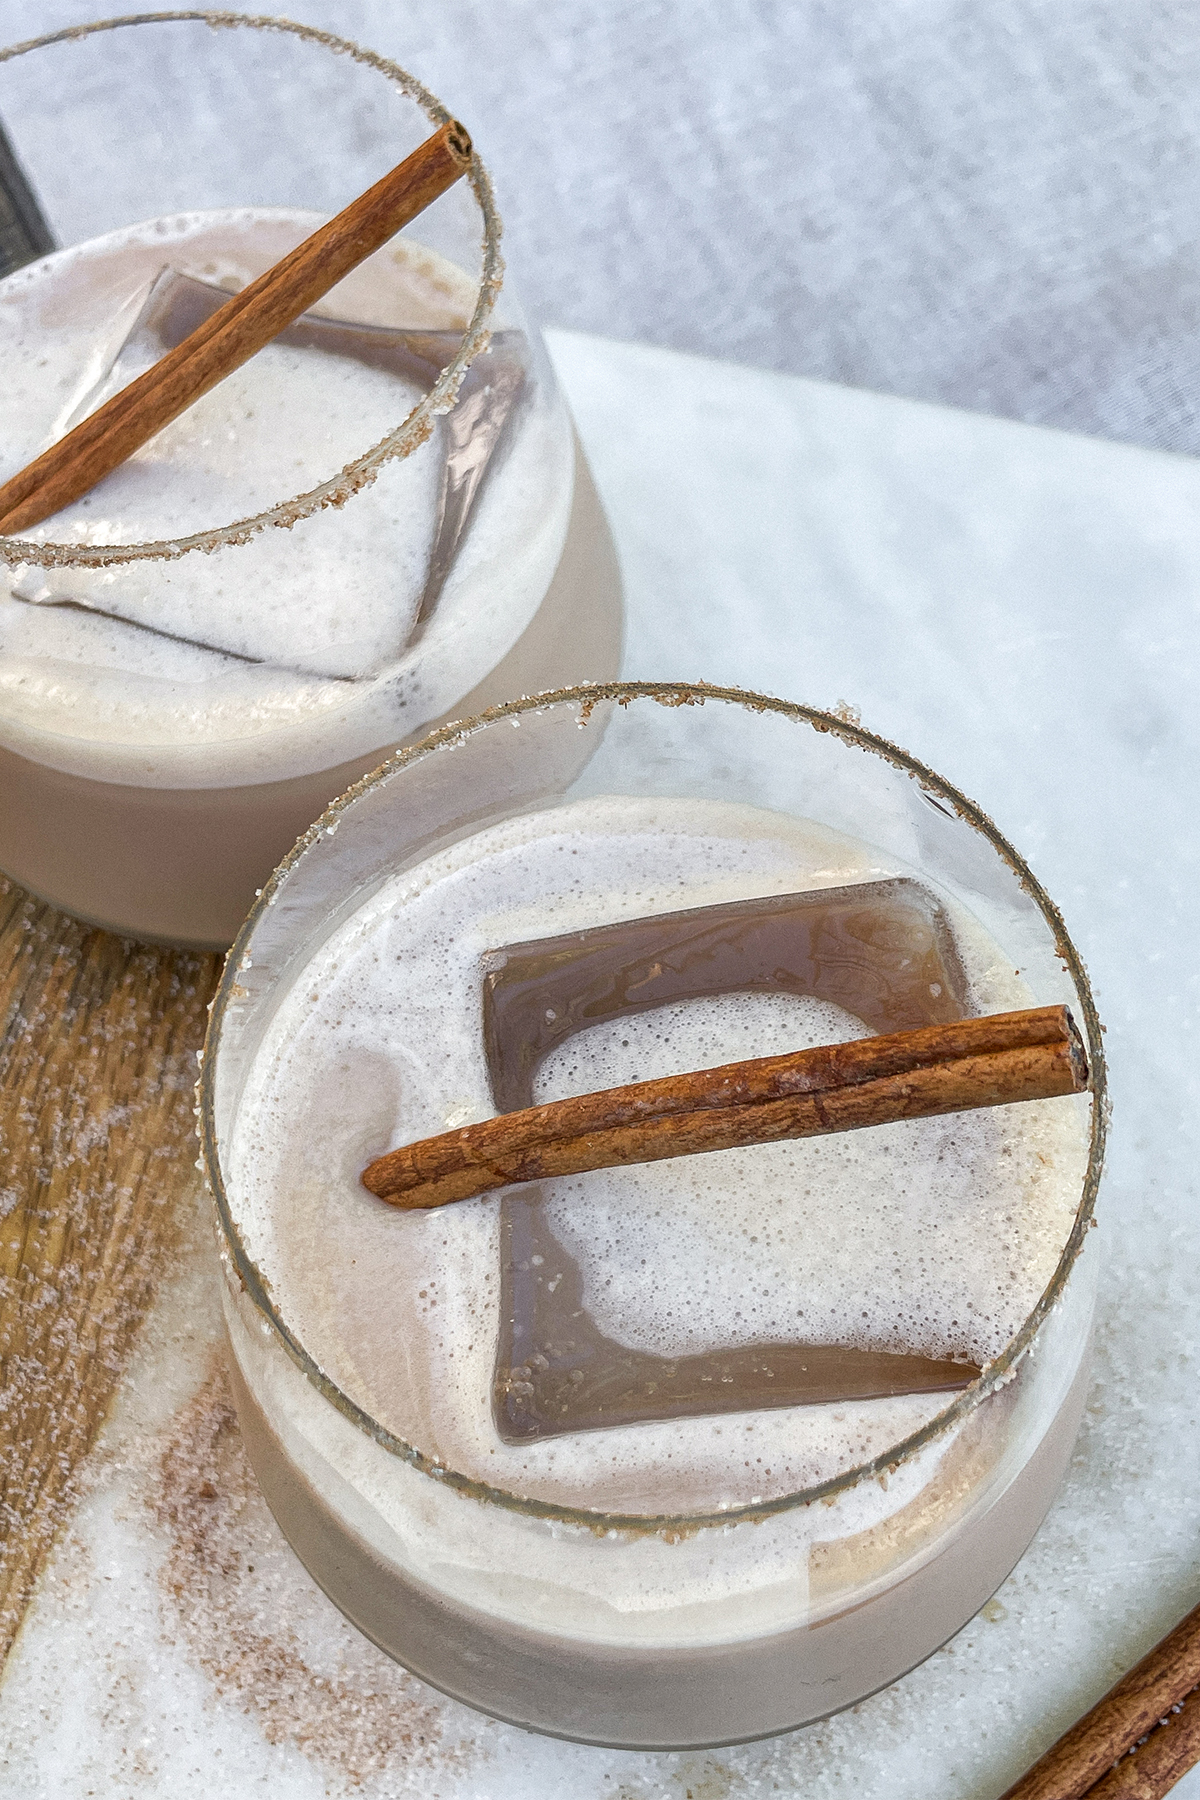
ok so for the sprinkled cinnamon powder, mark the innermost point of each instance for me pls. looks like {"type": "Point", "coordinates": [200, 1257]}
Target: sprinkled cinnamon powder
{"type": "Point", "coordinates": [266, 1637]}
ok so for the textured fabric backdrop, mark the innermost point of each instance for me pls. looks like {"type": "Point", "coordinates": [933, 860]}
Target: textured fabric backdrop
{"type": "Point", "coordinates": [992, 203]}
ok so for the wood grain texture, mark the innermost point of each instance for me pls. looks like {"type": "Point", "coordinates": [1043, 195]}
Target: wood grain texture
{"type": "Point", "coordinates": [98, 1042]}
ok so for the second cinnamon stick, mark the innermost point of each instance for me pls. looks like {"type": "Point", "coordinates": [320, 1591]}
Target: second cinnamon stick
{"type": "Point", "coordinates": [992, 1061]}
{"type": "Point", "coordinates": [1079, 1763]}
{"type": "Point", "coordinates": [233, 334]}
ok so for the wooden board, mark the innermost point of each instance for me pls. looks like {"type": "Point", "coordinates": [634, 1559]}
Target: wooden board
{"type": "Point", "coordinates": [98, 1043]}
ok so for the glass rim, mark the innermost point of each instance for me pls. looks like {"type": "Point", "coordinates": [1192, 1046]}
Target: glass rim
{"type": "Point", "coordinates": [994, 1375]}
{"type": "Point", "coordinates": [413, 430]}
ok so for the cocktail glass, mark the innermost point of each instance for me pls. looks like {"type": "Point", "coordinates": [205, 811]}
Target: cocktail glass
{"type": "Point", "coordinates": [153, 798]}
{"type": "Point", "coordinates": [659, 1626]}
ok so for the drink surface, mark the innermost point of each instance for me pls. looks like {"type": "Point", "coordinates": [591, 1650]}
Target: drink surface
{"type": "Point", "coordinates": [930, 1239]}
{"type": "Point", "coordinates": [571, 1008]}
{"type": "Point", "coordinates": [307, 646]}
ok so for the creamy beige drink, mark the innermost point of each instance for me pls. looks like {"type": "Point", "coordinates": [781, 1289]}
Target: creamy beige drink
{"type": "Point", "coordinates": [929, 1238]}
{"type": "Point", "coordinates": [168, 725]}
{"type": "Point", "coordinates": [668, 1454]}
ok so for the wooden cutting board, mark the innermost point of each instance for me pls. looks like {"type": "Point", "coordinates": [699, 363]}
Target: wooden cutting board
{"type": "Point", "coordinates": [98, 1043]}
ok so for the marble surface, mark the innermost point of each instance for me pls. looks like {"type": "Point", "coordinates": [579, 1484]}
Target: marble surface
{"type": "Point", "coordinates": [1017, 607]}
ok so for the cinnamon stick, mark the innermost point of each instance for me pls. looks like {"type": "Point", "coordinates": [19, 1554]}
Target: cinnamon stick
{"type": "Point", "coordinates": [233, 334]}
{"type": "Point", "coordinates": [839, 1087]}
{"type": "Point", "coordinates": [1079, 1764]}
{"type": "Point", "coordinates": [1151, 1769]}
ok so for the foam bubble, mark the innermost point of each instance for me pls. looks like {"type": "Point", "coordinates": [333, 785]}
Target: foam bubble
{"type": "Point", "coordinates": [927, 1236]}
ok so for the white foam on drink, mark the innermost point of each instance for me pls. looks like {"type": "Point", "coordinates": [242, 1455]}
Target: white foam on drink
{"type": "Point", "coordinates": [928, 1236]}
{"type": "Point", "coordinates": [281, 424]}
{"type": "Point", "coordinates": [935, 1236]}
{"type": "Point", "coordinates": [325, 609]}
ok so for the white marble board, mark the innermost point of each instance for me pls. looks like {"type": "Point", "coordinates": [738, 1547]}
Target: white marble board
{"type": "Point", "coordinates": [1019, 608]}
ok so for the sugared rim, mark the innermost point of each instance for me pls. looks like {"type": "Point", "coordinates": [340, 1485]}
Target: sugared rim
{"type": "Point", "coordinates": [673, 693]}
{"type": "Point", "coordinates": [411, 433]}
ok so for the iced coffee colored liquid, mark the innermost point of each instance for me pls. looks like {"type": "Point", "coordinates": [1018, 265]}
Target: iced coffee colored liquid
{"type": "Point", "coordinates": [653, 1342]}
{"type": "Point", "coordinates": [221, 699]}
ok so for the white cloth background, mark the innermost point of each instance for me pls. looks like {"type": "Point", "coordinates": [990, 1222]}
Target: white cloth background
{"type": "Point", "coordinates": [992, 203]}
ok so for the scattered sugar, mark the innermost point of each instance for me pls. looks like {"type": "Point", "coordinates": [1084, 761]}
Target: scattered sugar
{"type": "Point", "coordinates": [175, 1644]}
{"type": "Point", "coordinates": [262, 1634]}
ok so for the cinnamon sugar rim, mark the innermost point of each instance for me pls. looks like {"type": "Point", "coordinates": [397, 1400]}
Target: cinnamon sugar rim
{"type": "Point", "coordinates": [408, 435]}
{"type": "Point", "coordinates": [587, 696]}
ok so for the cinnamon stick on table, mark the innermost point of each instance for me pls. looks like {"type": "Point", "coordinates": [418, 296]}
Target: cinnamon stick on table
{"type": "Point", "coordinates": [233, 334]}
{"type": "Point", "coordinates": [991, 1061]}
{"type": "Point", "coordinates": [1080, 1765]}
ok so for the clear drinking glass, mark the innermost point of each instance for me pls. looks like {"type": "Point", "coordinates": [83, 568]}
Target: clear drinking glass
{"type": "Point", "coordinates": [390, 526]}
{"type": "Point", "coordinates": [586, 1612]}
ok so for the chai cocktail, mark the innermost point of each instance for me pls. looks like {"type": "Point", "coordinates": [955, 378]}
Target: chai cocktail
{"type": "Point", "coordinates": [693, 1450]}
{"type": "Point", "coordinates": [378, 522]}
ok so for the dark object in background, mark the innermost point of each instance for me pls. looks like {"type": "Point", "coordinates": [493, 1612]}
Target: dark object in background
{"type": "Point", "coordinates": [24, 233]}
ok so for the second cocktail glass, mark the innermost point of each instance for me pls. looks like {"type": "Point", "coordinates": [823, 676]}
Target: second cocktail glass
{"type": "Point", "coordinates": [380, 522]}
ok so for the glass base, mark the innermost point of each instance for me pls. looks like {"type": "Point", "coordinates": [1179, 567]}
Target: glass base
{"type": "Point", "coordinates": [653, 1697]}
